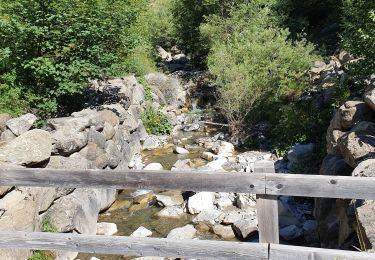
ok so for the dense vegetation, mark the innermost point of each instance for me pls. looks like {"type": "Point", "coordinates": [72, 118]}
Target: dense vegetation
{"type": "Point", "coordinates": [257, 53]}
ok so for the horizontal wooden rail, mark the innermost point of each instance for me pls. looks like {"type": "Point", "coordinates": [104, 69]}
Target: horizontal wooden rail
{"type": "Point", "coordinates": [162, 247]}
{"type": "Point", "coordinates": [133, 246]}
{"type": "Point", "coordinates": [255, 183]}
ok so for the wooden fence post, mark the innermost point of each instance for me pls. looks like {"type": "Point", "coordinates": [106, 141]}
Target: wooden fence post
{"type": "Point", "coordinates": [267, 212]}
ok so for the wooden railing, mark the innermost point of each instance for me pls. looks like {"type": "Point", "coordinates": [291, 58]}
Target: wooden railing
{"type": "Point", "coordinates": [265, 183]}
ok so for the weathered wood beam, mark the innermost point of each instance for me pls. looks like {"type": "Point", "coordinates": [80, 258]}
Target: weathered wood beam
{"type": "Point", "coordinates": [172, 180]}
{"type": "Point", "coordinates": [132, 246]}
{"type": "Point", "coordinates": [345, 187]}
{"type": "Point", "coordinates": [285, 252]}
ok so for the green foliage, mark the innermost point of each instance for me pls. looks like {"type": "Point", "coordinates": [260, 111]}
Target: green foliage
{"type": "Point", "coordinates": [255, 61]}
{"type": "Point", "coordinates": [54, 47]}
{"type": "Point", "coordinates": [42, 255]}
{"type": "Point", "coordinates": [298, 123]}
{"type": "Point", "coordinates": [146, 87]}
{"type": "Point", "coordinates": [47, 226]}
{"type": "Point", "coordinates": [10, 94]}
{"type": "Point", "coordinates": [156, 122]}
{"type": "Point", "coordinates": [359, 34]}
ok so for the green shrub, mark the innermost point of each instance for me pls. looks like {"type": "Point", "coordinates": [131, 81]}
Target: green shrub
{"type": "Point", "coordinates": [156, 122]}
{"type": "Point", "coordinates": [146, 87]}
{"type": "Point", "coordinates": [55, 46]}
{"type": "Point", "coordinates": [47, 226]}
{"type": "Point", "coordinates": [42, 255]}
{"type": "Point", "coordinates": [255, 62]}
{"type": "Point", "coordinates": [359, 33]}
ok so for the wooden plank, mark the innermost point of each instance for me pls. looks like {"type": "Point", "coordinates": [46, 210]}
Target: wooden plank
{"type": "Point", "coordinates": [320, 186]}
{"type": "Point", "coordinates": [176, 180]}
{"type": "Point", "coordinates": [132, 246]}
{"type": "Point", "coordinates": [268, 219]}
{"type": "Point", "coordinates": [268, 214]}
{"type": "Point", "coordinates": [286, 252]}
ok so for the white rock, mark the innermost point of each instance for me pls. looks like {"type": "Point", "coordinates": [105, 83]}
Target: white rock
{"type": "Point", "coordinates": [186, 232]}
{"type": "Point", "coordinates": [245, 227]}
{"type": "Point", "coordinates": [105, 228]}
{"type": "Point", "coordinates": [94, 258]}
{"type": "Point", "coordinates": [141, 232]}
{"type": "Point", "coordinates": [217, 164]}
{"type": "Point", "coordinates": [208, 156]}
{"type": "Point", "coordinates": [172, 198]}
{"type": "Point", "coordinates": [223, 148]}
{"type": "Point", "coordinates": [201, 201]}
{"type": "Point", "coordinates": [154, 167]}
{"type": "Point", "coordinates": [171, 212]}
{"type": "Point", "coordinates": [209, 217]}
{"type": "Point", "coordinates": [180, 150]}
{"type": "Point", "coordinates": [246, 201]}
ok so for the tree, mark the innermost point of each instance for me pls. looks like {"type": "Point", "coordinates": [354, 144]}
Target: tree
{"type": "Point", "coordinates": [359, 34]}
{"type": "Point", "coordinates": [53, 47]}
{"type": "Point", "coordinates": [252, 60]}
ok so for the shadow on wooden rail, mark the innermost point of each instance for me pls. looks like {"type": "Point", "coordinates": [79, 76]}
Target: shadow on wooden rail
{"type": "Point", "coordinates": [265, 183]}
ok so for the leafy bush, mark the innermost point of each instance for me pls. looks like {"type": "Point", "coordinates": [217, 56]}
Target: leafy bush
{"type": "Point", "coordinates": [42, 255]}
{"type": "Point", "coordinates": [359, 33]}
{"type": "Point", "coordinates": [156, 122]}
{"type": "Point", "coordinates": [55, 46]}
{"type": "Point", "coordinates": [47, 226]}
{"type": "Point", "coordinates": [255, 61]}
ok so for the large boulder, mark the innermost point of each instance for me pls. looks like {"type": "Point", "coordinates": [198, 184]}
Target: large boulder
{"type": "Point", "coordinates": [21, 124]}
{"type": "Point", "coordinates": [201, 201]}
{"type": "Point", "coordinates": [245, 227]}
{"type": "Point", "coordinates": [365, 169]}
{"type": "Point", "coordinates": [358, 144]}
{"type": "Point", "coordinates": [170, 88]}
{"type": "Point", "coordinates": [223, 148]}
{"type": "Point", "coordinates": [366, 220]}
{"type": "Point", "coordinates": [30, 148]}
{"type": "Point", "coordinates": [68, 141]}
{"type": "Point", "coordinates": [74, 162]}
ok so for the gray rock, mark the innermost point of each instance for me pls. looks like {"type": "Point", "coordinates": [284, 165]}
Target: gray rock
{"type": "Point", "coordinates": [30, 148]}
{"type": "Point", "coordinates": [67, 141]}
{"type": "Point", "coordinates": [141, 232]}
{"type": "Point", "coordinates": [358, 144]}
{"type": "Point", "coordinates": [77, 124]}
{"type": "Point", "coordinates": [92, 151]}
{"type": "Point", "coordinates": [245, 227]}
{"type": "Point", "coordinates": [138, 95]}
{"type": "Point", "coordinates": [7, 135]}
{"type": "Point", "coordinates": [97, 138]}
{"type": "Point", "coordinates": [114, 154]}
{"type": "Point", "coordinates": [209, 217]}
{"type": "Point", "coordinates": [291, 232]}
{"type": "Point", "coordinates": [108, 131]}
{"type": "Point", "coordinates": [109, 117]}
{"type": "Point", "coordinates": [246, 201]}
{"type": "Point", "coordinates": [192, 127]}
{"type": "Point", "coordinates": [186, 232]}
{"type": "Point", "coordinates": [75, 161]}
{"type": "Point", "coordinates": [182, 165]}
{"type": "Point", "coordinates": [21, 124]}
{"type": "Point", "coordinates": [118, 109]}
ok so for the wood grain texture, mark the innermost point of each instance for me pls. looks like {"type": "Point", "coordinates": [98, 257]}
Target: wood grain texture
{"type": "Point", "coordinates": [176, 180]}
{"type": "Point", "coordinates": [268, 215]}
{"type": "Point", "coordinates": [268, 219]}
{"type": "Point", "coordinates": [285, 252]}
{"type": "Point", "coordinates": [132, 246]}
{"type": "Point", "coordinates": [320, 186]}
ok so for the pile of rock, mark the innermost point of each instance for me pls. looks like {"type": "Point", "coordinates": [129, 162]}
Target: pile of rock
{"type": "Point", "coordinates": [107, 136]}
{"type": "Point", "coordinates": [350, 145]}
